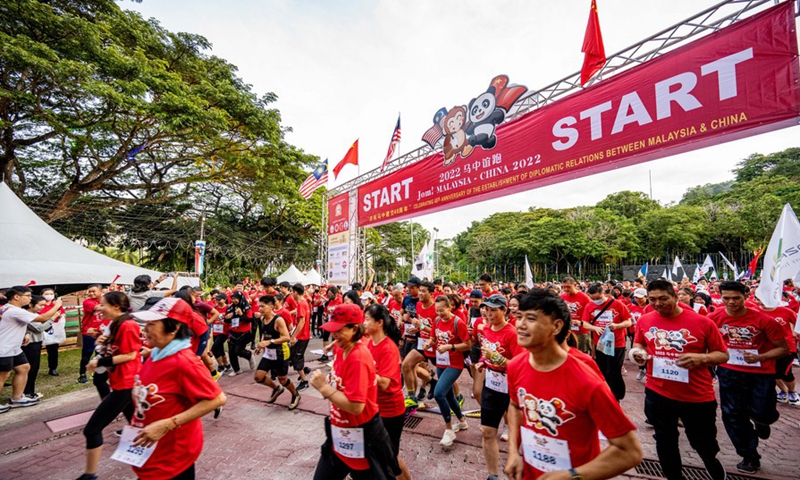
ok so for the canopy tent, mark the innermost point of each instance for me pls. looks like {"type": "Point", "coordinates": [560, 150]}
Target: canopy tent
{"type": "Point", "coordinates": [183, 281]}
{"type": "Point", "coordinates": [32, 251]}
{"type": "Point", "coordinates": [313, 278]}
{"type": "Point", "coordinates": [292, 275]}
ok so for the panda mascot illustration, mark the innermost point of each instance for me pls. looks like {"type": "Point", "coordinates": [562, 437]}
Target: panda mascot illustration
{"type": "Point", "coordinates": [484, 116]}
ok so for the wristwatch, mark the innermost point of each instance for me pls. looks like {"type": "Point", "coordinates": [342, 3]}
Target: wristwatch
{"type": "Point", "coordinates": [575, 475]}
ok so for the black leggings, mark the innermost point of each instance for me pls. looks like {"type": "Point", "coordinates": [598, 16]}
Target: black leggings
{"type": "Point", "coordinates": [237, 347]}
{"type": "Point", "coordinates": [336, 469]}
{"type": "Point", "coordinates": [52, 357]}
{"type": "Point", "coordinates": [86, 352]}
{"type": "Point", "coordinates": [116, 402]}
{"type": "Point", "coordinates": [218, 347]}
{"type": "Point", "coordinates": [100, 382]}
{"type": "Point", "coordinates": [33, 352]}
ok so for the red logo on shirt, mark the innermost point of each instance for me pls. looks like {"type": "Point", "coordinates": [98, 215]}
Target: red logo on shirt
{"type": "Point", "coordinates": [739, 335]}
{"type": "Point", "coordinates": [542, 414]}
{"type": "Point", "coordinates": [670, 339]}
{"type": "Point", "coordinates": [144, 397]}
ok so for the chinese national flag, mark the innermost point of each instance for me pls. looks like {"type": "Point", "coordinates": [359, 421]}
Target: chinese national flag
{"type": "Point", "coordinates": [594, 53]}
{"type": "Point", "coordinates": [350, 157]}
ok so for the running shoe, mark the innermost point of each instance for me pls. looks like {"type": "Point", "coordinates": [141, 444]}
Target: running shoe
{"type": "Point", "coordinates": [53, 373]}
{"type": "Point", "coordinates": [233, 373]}
{"type": "Point", "coordinates": [624, 370]}
{"type": "Point", "coordinates": [302, 385]}
{"type": "Point", "coordinates": [88, 476]}
{"type": "Point", "coordinates": [276, 392]}
{"type": "Point", "coordinates": [216, 375]}
{"type": "Point", "coordinates": [252, 361]}
{"type": "Point", "coordinates": [323, 359]}
{"type": "Point", "coordinates": [641, 375]}
{"type": "Point", "coordinates": [411, 402]}
{"type": "Point", "coordinates": [295, 402]}
{"type": "Point", "coordinates": [35, 396]}
{"type": "Point", "coordinates": [421, 394]}
{"type": "Point", "coordinates": [458, 426]}
{"type": "Point", "coordinates": [448, 438]}
{"type": "Point", "coordinates": [460, 400]}
{"type": "Point", "coordinates": [475, 414]}
{"type": "Point", "coordinates": [796, 362]}
{"type": "Point", "coordinates": [763, 431]}
{"type": "Point", "coordinates": [783, 397]}
{"type": "Point", "coordinates": [118, 433]}
{"type": "Point", "coordinates": [794, 399]}
{"type": "Point", "coordinates": [431, 388]}
{"type": "Point", "coordinates": [23, 402]}
{"type": "Point", "coordinates": [218, 412]}
{"type": "Point", "coordinates": [5, 408]}
{"type": "Point", "coordinates": [83, 379]}
{"type": "Point", "coordinates": [306, 370]}
{"type": "Point", "coordinates": [504, 435]}
{"type": "Point", "coordinates": [749, 466]}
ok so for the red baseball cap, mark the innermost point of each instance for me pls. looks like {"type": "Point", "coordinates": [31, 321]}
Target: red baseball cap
{"type": "Point", "coordinates": [170, 307]}
{"type": "Point", "coordinates": [344, 314]}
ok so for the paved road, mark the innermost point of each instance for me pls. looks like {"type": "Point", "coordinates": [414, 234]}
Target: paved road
{"type": "Point", "coordinates": [256, 440]}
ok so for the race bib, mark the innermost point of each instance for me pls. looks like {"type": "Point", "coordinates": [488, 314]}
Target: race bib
{"type": "Point", "coordinates": [666, 369]}
{"type": "Point", "coordinates": [271, 354]}
{"type": "Point", "coordinates": [348, 442]}
{"type": "Point", "coordinates": [129, 453]}
{"type": "Point", "coordinates": [544, 453]}
{"type": "Point", "coordinates": [442, 358]}
{"type": "Point", "coordinates": [576, 327]}
{"type": "Point", "coordinates": [235, 322]}
{"type": "Point", "coordinates": [408, 328]}
{"type": "Point", "coordinates": [737, 357]}
{"type": "Point", "coordinates": [605, 318]}
{"type": "Point", "coordinates": [496, 381]}
{"type": "Point", "coordinates": [217, 328]}
{"type": "Point", "coordinates": [421, 343]}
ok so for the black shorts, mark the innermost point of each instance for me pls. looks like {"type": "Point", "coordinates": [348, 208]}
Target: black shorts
{"type": "Point", "coordinates": [394, 427]}
{"type": "Point", "coordinates": [783, 368]}
{"type": "Point", "coordinates": [203, 343]}
{"type": "Point", "coordinates": [494, 405]}
{"type": "Point", "coordinates": [278, 368]}
{"type": "Point", "coordinates": [298, 355]}
{"type": "Point", "coordinates": [475, 354]}
{"type": "Point", "coordinates": [409, 344]}
{"type": "Point", "coordinates": [8, 363]}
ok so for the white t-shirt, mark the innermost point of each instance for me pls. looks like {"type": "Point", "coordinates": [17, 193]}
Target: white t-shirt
{"type": "Point", "coordinates": [13, 323]}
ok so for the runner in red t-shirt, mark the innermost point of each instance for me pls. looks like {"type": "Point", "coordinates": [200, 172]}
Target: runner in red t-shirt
{"type": "Point", "coordinates": [498, 345]}
{"type": "Point", "coordinates": [607, 313]}
{"type": "Point", "coordinates": [219, 331]}
{"type": "Point", "coordinates": [300, 334]}
{"type": "Point", "coordinates": [784, 377]}
{"type": "Point", "coordinates": [383, 332]}
{"type": "Point", "coordinates": [352, 390]}
{"type": "Point", "coordinates": [558, 406]}
{"type": "Point", "coordinates": [747, 380]}
{"type": "Point", "coordinates": [677, 346]}
{"type": "Point", "coordinates": [90, 328]}
{"type": "Point", "coordinates": [576, 302]}
{"type": "Point", "coordinates": [414, 363]}
{"type": "Point", "coordinates": [449, 340]}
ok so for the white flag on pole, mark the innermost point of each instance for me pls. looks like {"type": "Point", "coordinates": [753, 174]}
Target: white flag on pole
{"type": "Point", "coordinates": [667, 274]}
{"type": "Point", "coordinates": [782, 259]}
{"type": "Point", "coordinates": [728, 263]}
{"type": "Point", "coordinates": [676, 266]}
{"type": "Point", "coordinates": [423, 265]}
{"type": "Point", "coordinates": [707, 266]}
{"type": "Point", "coordinates": [697, 273]}
{"type": "Point", "coordinates": [528, 273]}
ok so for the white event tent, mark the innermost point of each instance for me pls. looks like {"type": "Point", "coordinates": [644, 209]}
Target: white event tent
{"type": "Point", "coordinates": [313, 278]}
{"type": "Point", "coordinates": [292, 275]}
{"type": "Point", "coordinates": [32, 251]}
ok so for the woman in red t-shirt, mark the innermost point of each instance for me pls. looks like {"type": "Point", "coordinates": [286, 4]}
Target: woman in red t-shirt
{"type": "Point", "coordinates": [170, 395]}
{"type": "Point", "coordinates": [122, 360]}
{"type": "Point", "coordinates": [384, 335]}
{"type": "Point", "coordinates": [449, 339]}
{"type": "Point", "coordinates": [352, 390]}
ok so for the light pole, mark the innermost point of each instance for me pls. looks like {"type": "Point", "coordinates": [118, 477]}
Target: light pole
{"type": "Point", "coordinates": [435, 254]}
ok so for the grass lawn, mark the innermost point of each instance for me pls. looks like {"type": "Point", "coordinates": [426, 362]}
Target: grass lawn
{"type": "Point", "coordinates": [67, 381]}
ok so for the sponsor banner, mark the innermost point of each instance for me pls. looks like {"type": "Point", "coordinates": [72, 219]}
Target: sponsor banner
{"type": "Point", "coordinates": [199, 256]}
{"type": "Point", "coordinates": [339, 258]}
{"type": "Point", "coordinates": [339, 214]}
{"type": "Point", "coordinates": [737, 82]}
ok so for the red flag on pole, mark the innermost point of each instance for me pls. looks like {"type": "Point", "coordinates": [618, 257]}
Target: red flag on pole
{"type": "Point", "coordinates": [594, 53]}
{"type": "Point", "coordinates": [751, 270]}
{"type": "Point", "coordinates": [350, 157]}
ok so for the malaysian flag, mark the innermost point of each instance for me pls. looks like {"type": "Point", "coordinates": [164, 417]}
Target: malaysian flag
{"type": "Point", "coordinates": [392, 144]}
{"type": "Point", "coordinates": [318, 178]}
{"type": "Point", "coordinates": [434, 134]}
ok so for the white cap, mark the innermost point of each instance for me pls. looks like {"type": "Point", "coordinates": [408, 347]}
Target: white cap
{"type": "Point", "coordinates": [640, 293]}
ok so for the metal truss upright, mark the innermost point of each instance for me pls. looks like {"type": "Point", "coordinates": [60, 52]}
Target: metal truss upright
{"type": "Point", "coordinates": [705, 22]}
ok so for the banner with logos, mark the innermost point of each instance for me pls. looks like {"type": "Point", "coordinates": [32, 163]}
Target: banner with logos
{"type": "Point", "coordinates": [740, 81]}
{"type": "Point", "coordinates": [339, 259]}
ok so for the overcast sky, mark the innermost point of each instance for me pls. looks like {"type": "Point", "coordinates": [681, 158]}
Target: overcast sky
{"type": "Point", "coordinates": [343, 70]}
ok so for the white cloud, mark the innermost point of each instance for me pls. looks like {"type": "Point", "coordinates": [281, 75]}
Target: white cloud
{"type": "Point", "coordinates": [343, 70]}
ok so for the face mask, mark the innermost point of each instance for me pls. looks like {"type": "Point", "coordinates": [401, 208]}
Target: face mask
{"type": "Point", "coordinates": [49, 298]}
{"type": "Point", "coordinates": [599, 301]}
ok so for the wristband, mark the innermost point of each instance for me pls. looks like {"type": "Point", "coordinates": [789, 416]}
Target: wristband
{"type": "Point", "coordinates": [329, 396]}
{"type": "Point", "coordinates": [107, 361]}
{"type": "Point", "coordinates": [175, 422]}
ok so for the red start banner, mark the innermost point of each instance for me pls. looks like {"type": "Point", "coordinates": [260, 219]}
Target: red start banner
{"type": "Point", "coordinates": [339, 214]}
{"type": "Point", "coordinates": [740, 81]}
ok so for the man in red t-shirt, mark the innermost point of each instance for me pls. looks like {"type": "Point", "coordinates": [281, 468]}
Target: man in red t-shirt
{"type": "Point", "coordinates": [576, 302]}
{"type": "Point", "coordinates": [747, 381]}
{"type": "Point", "coordinates": [606, 313]}
{"type": "Point", "coordinates": [89, 328]}
{"type": "Point", "coordinates": [677, 346]}
{"type": "Point", "coordinates": [558, 405]}
{"type": "Point", "coordinates": [301, 334]}
{"type": "Point", "coordinates": [784, 377]}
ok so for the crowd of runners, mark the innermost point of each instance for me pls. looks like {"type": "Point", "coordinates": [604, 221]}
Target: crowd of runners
{"type": "Point", "coordinates": [546, 367]}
